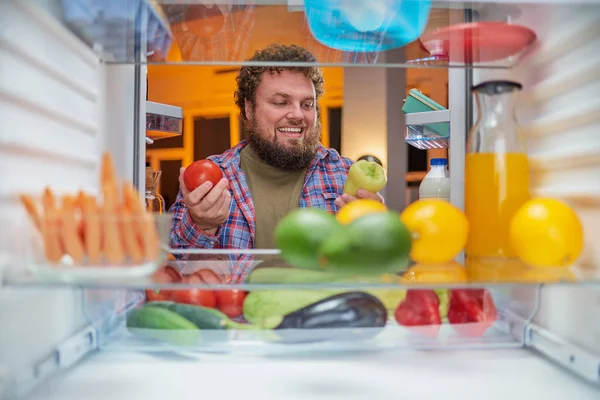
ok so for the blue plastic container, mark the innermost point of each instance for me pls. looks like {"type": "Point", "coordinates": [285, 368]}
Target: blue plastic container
{"type": "Point", "coordinates": [366, 25]}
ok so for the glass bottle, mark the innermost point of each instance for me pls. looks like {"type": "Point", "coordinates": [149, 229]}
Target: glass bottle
{"type": "Point", "coordinates": [154, 201]}
{"type": "Point", "coordinates": [496, 170]}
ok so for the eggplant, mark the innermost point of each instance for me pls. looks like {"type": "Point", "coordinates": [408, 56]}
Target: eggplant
{"type": "Point", "coordinates": [346, 316]}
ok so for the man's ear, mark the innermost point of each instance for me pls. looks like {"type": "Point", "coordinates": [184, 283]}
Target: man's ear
{"type": "Point", "coordinates": [248, 109]}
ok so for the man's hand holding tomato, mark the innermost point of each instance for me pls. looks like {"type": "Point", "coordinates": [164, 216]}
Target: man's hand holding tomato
{"type": "Point", "coordinates": [206, 195]}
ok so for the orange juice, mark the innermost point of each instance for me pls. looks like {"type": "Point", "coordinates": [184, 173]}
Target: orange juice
{"type": "Point", "coordinates": [496, 185]}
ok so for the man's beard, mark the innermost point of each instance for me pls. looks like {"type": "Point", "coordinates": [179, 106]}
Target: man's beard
{"type": "Point", "coordinates": [274, 153]}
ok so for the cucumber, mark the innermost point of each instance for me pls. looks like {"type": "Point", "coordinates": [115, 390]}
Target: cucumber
{"type": "Point", "coordinates": [278, 300]}
{"type": "Point", "coordinates": [202, 317]}
{"type": "Point", "coordinates": [157, 318]}
{"type": "Point", "coordinates": [164, 325]}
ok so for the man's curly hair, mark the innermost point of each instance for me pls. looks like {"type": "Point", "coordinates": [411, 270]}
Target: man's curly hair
{"type": "Point", "coordinates": [250, 77]}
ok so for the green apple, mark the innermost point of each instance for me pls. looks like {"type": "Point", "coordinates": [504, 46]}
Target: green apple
{"type": "Point", "coordinates": [367, 175]}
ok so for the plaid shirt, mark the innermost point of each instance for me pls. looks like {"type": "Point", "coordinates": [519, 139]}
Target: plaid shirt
{"type": "Point", "coordinates": [324, 183]}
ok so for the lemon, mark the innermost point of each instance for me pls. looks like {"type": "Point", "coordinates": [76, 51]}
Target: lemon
{"type": "Point", "coordinates": [359, 208]}
{"type": "Point", "coordinates": [546, 232]}
{"type": "Point", "coordinates": [439, 230]}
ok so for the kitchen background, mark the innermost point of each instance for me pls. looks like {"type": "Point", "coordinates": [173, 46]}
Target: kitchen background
{"type": "Point", "coordinates": [205, 93]}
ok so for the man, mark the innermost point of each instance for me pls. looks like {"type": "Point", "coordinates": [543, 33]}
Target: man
{"type": "Point", "coordinates": [282, 165]}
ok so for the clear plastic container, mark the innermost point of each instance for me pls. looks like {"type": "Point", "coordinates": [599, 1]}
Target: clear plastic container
{"type": "Point", "coordinates": [115, 24]}
{"type": "Point", "coordinates": [271, 293]}
{"type": "Point", "coordinates": [436, 184]}
{"type": "Point", "coordinates": [103, 248]}
{"type": "Point", "coordinates": [163, 123]}
{"type": "Point", "coordinates": [423, 138]}
{"type": "Point", "coordinates": [257, 292]}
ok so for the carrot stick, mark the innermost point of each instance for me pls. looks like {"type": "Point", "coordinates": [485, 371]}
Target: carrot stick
{"type": "Point", "coordinates": [111, 234]}
{"type": "Point", "coordinates": [112, 244]}
{"type": "Point", "coordinates": [70, 235]}
{"type": "Point", "coordinates": [130, 237]}
{"type": "Point", "coordinates": [108, 172]}
{"type": "Point", "coordinates": [79, 200]}
{"type": "Point", "coordinates": [91, 223]}
{"type": "Point", "coordinates": [51, 224]}
{"type": "Point", "coordinates": [32, 210]}
{"type": "Point", "coordinates": [143, 222]}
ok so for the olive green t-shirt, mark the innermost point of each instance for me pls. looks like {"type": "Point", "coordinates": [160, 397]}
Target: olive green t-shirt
{"type": "Point", "coordinates": [274, 191]}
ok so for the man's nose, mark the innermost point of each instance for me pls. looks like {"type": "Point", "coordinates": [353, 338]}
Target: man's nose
{"type": "Point", "coordinates": [295, 112]}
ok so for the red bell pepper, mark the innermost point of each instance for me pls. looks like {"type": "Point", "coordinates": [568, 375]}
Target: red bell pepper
{"type": "Point", "coordinates": [420, 311]}
{"type": "Point", "coordinates": [471, 311]}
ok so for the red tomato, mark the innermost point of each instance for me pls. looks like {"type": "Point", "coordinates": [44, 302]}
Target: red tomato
{"type": "Point", "coordinates": [157, 295]}
{"type": "Point", "coordinates": [208, 276]}
{"type": "Point", "coordinates": [198, 297]}
{"type": "Point", "coordinates": [201, 171]}
{"type": "Point", "coordinates": [165, 274]}
{"type": "Point", "coordinates": [231, 302]}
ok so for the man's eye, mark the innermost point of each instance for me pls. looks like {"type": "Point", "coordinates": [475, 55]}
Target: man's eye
{"type": "Point", "coordinates": [308, 105]}
{"type": "Point", "coordinates": [280, 103]}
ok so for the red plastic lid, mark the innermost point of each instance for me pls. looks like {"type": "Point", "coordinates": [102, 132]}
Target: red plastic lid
{"type": "Point", "coordinates": [477, 42]}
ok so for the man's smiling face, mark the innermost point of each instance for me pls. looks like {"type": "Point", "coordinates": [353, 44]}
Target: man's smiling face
{"type": "Point", "coordinates": [283, 125]}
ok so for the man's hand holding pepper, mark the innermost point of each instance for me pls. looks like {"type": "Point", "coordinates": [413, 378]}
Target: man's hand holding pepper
{"type": "Point", "coordinates": [365, 180]}
{"type": "Point", "coordinates": [360, 194]}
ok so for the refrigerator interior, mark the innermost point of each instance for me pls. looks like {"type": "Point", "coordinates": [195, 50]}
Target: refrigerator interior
{"type": "Point", "coordinates": [64, 102]}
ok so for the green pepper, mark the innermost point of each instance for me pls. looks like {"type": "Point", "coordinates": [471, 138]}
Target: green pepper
{"type": "Point", "coordinates": [367, 175]}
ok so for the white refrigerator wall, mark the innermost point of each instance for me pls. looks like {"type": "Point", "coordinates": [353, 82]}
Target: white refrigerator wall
{"type": "Point", "coordinates": [559, 111]}
{"type": "Point", "coordinates": [60, 109]}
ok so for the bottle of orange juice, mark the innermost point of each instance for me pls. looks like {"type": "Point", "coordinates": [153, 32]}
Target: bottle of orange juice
{"type": "Point", "coordinates": [497, 170]}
